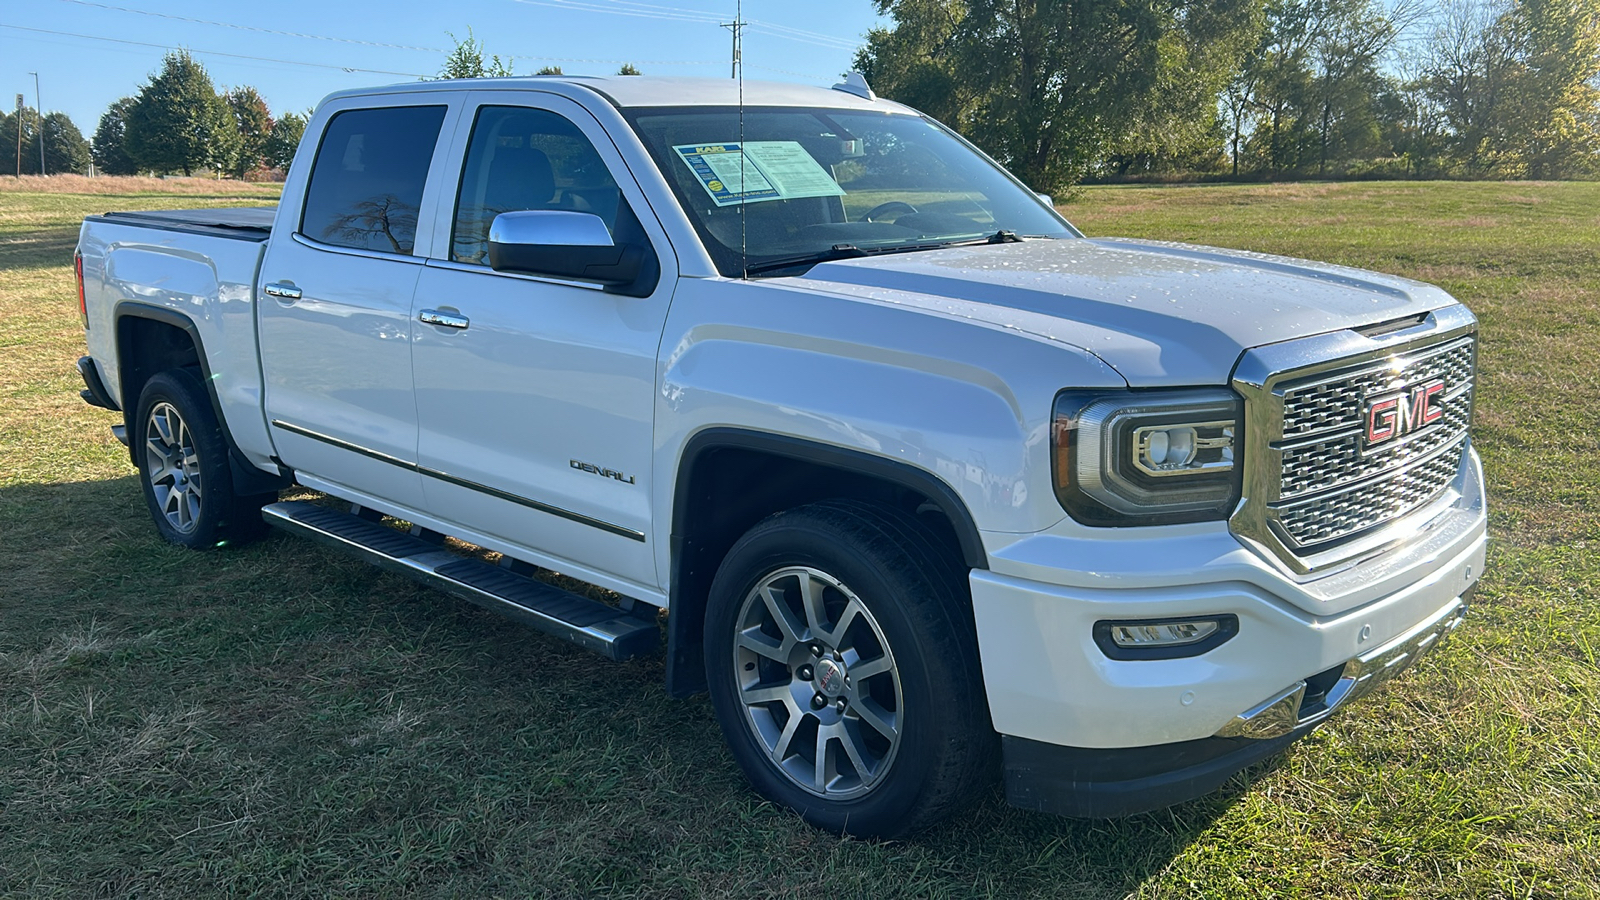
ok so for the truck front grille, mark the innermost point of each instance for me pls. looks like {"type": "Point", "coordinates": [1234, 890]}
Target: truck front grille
{"type": "Point", "coordinates": [1333, 485]}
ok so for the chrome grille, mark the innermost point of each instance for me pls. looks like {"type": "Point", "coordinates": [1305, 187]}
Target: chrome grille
{"type": "Point", "coordinates": [1330, 517]}
{"type": "Point", "coordinates": [1331, 486]}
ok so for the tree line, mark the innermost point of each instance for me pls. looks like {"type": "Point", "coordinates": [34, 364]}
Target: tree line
{"type": "Point", "coordinates": [1067, 90]}
{"type": "Point", "coordinates": [178, 122]}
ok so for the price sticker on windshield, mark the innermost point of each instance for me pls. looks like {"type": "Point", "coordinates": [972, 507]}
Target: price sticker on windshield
{"type": "Point", "coordinates": [757, 170]}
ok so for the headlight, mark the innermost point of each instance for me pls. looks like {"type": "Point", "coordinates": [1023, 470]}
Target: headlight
{"type": "Point", "coordinates": [1147, 458]}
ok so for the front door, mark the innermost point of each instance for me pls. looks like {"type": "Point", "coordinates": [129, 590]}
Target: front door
{"type": "Point", "coordinates": [535, 405]}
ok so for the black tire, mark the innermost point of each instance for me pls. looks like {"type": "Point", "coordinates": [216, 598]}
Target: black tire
{"type": "Point", "coordinates": [937, 750]}
{"type": "Point", "coordinates": [183, 466]}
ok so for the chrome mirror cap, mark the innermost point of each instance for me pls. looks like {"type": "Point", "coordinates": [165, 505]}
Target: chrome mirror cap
{"type": "Point", "coordinates": [545, 227]}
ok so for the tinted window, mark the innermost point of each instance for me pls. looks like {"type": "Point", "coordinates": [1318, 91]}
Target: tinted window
{"type": "Point", "coordinates": [527, 159]}
{"type": "Point", "coordinates": [366, 184]}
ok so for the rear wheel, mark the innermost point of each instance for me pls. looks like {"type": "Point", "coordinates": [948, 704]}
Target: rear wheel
{"type": "Point", "coordinates": [844, 671]}
{"type": "Point", "coordinates": [183, 461]}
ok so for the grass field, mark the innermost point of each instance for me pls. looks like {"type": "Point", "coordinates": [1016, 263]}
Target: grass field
{"type": "Point", "coordinates": [279, 721]}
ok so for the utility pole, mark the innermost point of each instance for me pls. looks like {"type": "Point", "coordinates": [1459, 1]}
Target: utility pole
{"type": "Point", "coordinates": [736, 26]}
{"type": "Point", "coordinates": [39, 111]}
{"type": "Point", "coordinates": [19, 135]}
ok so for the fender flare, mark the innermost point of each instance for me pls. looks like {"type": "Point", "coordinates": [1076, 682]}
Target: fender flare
{"type": "Point", "coordinates": [248, 479]}
{"type": "Point", "coordinates": [685, 673]}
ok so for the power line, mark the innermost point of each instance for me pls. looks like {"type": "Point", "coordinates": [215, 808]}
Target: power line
{"type": "Point", "coordinates": [296, 34]}
{"type": "Point", "coordinates": [651, 62]}
{"type": "Point", "coordinates": [290, 62]}
{"type": "Point", "coordinates": [678, 14]}
{"type": "Point", "coordinates": [807, 75]}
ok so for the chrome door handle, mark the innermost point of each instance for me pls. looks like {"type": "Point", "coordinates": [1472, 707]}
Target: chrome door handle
{"type": "Point", "coordinates": [447, 320]}
{"type": "Point", "coordinates": [285, 292]}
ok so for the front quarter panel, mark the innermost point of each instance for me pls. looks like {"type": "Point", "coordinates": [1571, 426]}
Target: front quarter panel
{"type": "Point", "coordinates": [968, 402]}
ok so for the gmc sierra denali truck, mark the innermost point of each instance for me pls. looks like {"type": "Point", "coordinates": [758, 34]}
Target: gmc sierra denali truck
{"type": "Point", "coordinates": [922, 477]}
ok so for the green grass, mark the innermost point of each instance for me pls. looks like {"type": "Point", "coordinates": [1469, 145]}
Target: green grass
{"type": "Point", "coordinates": [278, 720]}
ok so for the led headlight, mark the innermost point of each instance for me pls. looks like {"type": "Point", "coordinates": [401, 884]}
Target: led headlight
{"type": "Point", "coordinates": [1147, 459]}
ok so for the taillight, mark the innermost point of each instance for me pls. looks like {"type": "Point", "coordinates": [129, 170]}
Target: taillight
{"type": "Point", "coordinates": [83, 305]}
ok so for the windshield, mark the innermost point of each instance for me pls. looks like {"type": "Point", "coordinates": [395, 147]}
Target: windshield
{"type": "Point", "coordinates": [804, 185]}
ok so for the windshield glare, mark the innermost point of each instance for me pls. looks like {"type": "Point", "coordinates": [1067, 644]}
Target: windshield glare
{"type": "Point", "coordinates": [802, 182]}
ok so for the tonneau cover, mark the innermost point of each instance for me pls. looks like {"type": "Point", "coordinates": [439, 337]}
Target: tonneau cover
{"type": "Point", "coordinates": [246, 223]}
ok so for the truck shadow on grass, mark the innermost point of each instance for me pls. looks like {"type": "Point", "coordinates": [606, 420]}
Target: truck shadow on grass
{"type": "Point", "coordinates": [278, 718]}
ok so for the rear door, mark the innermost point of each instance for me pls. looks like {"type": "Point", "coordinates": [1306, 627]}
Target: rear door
{"type": "Point", "coordinates": [335, 318]}
{"type": "Point", "coordinates": [535, 418]}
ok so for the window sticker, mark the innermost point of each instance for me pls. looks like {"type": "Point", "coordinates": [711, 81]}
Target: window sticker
{"type": "Point", "coordinates": [756, 171]}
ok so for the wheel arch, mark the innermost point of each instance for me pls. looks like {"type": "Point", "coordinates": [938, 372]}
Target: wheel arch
{"type": "Point", "coordinates": [152, 339]}
{"type": "Point", "coordinates": [728, 479]}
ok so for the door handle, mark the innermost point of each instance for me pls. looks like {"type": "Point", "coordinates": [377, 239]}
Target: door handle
{"type": "Point", "coordinates": [444, 319]}
{"type": "Point", "coordinates": [287, 293]}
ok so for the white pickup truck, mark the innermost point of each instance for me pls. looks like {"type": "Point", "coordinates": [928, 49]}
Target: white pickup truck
{"type": "Point", "coordinates": [922, 478]}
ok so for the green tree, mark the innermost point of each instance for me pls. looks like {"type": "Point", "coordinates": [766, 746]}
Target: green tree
{"type": "Point", "coordinates": [284, 139]}
{"type": "Point", "coordinates": [1516, 84]}
{"type": "Point", "coordinates": [254, 124]}
{"type": "Point", "coordinates": [466, 60]}
{"type": "Point", "coordinates": [1048, 86]}
{"type": "Point", "coordinates": [178, 123]}
{"type": "Point", "coordinates": [629, 69]}
{"type": "Point", "coordinates": [27, 121]}
{"type": "Point", "coordinates": [549, 70]}
{"type": "Point", "coordinates": [1308, 97]}
{"type": "Point", "coordinates": [65, 150]}
{"type": "Point", "coordinates": [110, 151]}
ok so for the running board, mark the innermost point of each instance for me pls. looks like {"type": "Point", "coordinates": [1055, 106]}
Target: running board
{"type": "Point", "coordinates": [608, 631]}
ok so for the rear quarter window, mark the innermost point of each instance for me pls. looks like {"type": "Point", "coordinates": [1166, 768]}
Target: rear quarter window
{"type": "Point", "coordinates": [366, 184]}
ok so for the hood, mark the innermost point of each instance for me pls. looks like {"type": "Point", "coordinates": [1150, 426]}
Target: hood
{"type": "Point", "coordinates": [1160, 314]}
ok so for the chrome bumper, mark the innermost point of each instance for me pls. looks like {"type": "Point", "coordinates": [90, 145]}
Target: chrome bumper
{"type": "Point", "coordinates": [1288, 709]}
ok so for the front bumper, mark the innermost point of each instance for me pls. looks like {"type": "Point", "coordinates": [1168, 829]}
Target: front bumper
{"type": "Point", "coordinates": [1106, 783]}
{"type": "Point", "coordinates": [1085, 734]}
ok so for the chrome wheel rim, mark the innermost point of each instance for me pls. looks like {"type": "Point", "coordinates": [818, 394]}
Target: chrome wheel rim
{"type": "Point", "coordinates": [172, 467]}
{"type": "Point", "coordinates": [818, 683]}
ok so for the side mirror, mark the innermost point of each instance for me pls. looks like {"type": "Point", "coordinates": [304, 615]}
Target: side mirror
{"type": "Point", "coordinates": [1046, 198]}
{"type": "Point", "coordinates": [562, 244]}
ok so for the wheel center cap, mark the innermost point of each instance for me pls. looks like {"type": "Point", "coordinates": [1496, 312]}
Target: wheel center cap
{"type": "Point", "coordinates": [830, 677]}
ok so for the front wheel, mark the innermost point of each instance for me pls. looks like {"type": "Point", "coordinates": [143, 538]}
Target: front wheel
{"type": "Point", "coordinates": [183, 463]}
{"type": "Point", "coordinates": [844, 671]}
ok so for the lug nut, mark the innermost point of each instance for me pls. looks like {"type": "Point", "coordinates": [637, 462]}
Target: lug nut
{"type": "Point", "coordinates": [805, 673]}
{"type": "Point", "coordinates": [819, 701]}
{"type": "Point", "coordinates": [816, 650]}
{"type": "Point", "coordinates": [840, 705]}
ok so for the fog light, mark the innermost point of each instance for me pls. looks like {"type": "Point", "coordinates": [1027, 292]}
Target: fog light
{"type": "Point", "coordinates": [1164, 638]}
{"type": "Point", "coordinates": [1162, 634]}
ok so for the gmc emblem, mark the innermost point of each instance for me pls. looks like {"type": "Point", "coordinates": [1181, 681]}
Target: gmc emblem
{"type": "Point", "coordinates": [1392, 415]}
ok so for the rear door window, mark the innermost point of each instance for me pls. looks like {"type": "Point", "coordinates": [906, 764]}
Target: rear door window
{"type": "Point", "coordinates": [366, 183]}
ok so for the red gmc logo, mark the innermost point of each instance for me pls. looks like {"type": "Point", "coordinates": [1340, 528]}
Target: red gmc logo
{"type": "Point", "coordinates": [1393, 415]}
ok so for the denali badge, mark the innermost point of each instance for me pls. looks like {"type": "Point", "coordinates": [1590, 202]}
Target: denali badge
{"type": "Point", "coordinates": [1392, 415]}
{"type": "Point", "coordinates": [603, 473]}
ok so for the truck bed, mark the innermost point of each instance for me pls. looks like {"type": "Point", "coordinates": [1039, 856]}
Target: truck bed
{"type": "Point", "coordinates": [249, 223]}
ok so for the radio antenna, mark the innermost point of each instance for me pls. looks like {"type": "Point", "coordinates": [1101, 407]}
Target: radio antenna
{"type": "Point", "coordinates": [737, 26]}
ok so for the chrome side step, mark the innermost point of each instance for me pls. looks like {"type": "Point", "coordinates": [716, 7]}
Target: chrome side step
{"type": "Point", "coordinates": [608, 631]}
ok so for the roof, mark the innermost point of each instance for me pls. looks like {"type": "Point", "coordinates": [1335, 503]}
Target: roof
{"type": "Point", "coordinates": [650, 90]}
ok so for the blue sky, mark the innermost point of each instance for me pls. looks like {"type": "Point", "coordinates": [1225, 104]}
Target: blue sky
{"type": "Point", "coordinates": [88, 53]}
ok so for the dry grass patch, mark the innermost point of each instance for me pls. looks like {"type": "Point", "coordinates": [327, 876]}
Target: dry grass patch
{"type": "Point", "coordinates": [115, 185]}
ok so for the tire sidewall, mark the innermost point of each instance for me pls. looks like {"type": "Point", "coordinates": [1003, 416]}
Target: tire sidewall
{"type": "Point", "coordinates": [181, 389]}
{"type": "Point", "coordinates": [781, 544]}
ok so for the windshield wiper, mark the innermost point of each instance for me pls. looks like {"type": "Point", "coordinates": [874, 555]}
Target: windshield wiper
{"type": "Point", "coordinates": [837, 251]}
{"type": "Point", "coordinates": [851, 251]}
